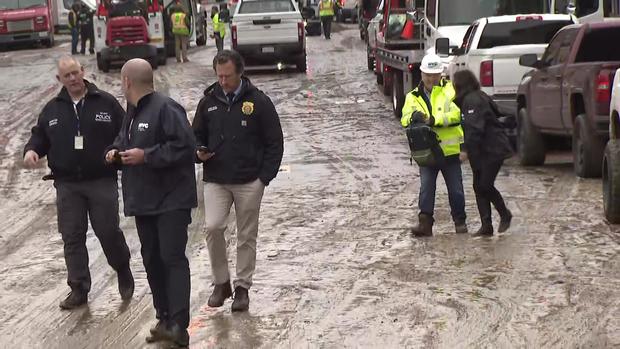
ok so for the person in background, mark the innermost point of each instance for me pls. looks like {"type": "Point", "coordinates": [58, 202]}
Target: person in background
{"type": "Point", "coordinates": [487, 147]}
{"type": "Point", "coordinates": [327, 10]}
{"type": "Point", "coordinates": [219, 28]}
{"type": "Point", "coordinates": [180, 28]}
{"type": "Point", "coordinates": [73, 22]}
{"type": "Point", "coordinates": [73, 131]}
{"type": "Point", "coordinates": [87, 31]}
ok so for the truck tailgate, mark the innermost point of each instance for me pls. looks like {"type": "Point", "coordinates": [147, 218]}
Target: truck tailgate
{"type": "Point", "coordinates": [267, 28]}
{"type": "Point", "coordinates": [507, 72]}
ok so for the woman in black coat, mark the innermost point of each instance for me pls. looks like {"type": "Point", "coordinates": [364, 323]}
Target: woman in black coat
{"type": "Point", "coordinates": [487, 147]}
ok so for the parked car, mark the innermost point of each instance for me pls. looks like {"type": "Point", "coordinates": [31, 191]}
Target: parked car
{"type": "Point", "coordinates": [492, 46]}
{"type": "Point", "coordinates": [267, 32]}
{"type": "Point", "coordinates": [611, 158]}
{"type": "Point", "coordinates": [568, 95]}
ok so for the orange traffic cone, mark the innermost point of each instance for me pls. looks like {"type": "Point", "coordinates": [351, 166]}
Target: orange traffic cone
{"type": "Point", "coordinates": [408, 30]}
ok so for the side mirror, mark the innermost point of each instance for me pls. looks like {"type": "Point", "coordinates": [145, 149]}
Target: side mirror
{"type": "Point", "coordinates": [307, 13]}
{"type": "Point", "coordinates": [442, 46]}
{"type": "Point", "coordinates": [529, 60]}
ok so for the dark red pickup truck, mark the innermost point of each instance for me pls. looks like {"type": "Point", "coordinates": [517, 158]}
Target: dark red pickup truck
{"type": "Point", "coordinates": [568, 95]}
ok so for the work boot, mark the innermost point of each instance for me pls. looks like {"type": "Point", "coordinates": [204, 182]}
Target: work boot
{"type": "Point", "coordinates": [460, 228]}
{"type": "Point", "coordinates": [242, 300]}
{"type": "Point", "coordinates": [76, 298]}
{"type": "Point", "coordinates": [424, 227]}
{"type": "Point", "coordinates": [219, 295]}
{"type": "Point", "coordinates": [158, 332]}
{"type": "Point", "coordinates": [504, 222]}
{"type": "Point", "coordinates": [173, 333]}
{"type": "Point", "coordinates": [486, 229]}
{"type": "Point", "coordinates": [125, 284]}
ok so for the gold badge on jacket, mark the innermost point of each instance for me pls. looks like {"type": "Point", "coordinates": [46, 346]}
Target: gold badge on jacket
{"type": "Point", "coordinates": [247, 108]}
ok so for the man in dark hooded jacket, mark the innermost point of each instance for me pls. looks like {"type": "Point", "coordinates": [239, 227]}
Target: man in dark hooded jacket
{"type": "Point", "coordinates": [240, 143]}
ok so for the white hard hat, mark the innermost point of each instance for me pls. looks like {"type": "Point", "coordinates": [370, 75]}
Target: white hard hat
{"type": "Point", "coordinates": [431, 64]}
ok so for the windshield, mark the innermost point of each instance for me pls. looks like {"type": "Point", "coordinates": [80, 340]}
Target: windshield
{"type": "Point", "coordinates": [520, 33]}
{"type": "Point", "coordinates": [464, 12]}
{"type": "Point", "coordinates": [266, 6]}
{"type": "Point", "coordinates": [17, 4]}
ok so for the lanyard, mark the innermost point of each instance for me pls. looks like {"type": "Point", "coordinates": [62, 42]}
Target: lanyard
{"type": "Point", "coordinates": [77, 113]}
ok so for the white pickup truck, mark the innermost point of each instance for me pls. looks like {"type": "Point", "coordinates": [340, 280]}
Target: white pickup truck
{"type": "Point", "coordinates": [269, 32]}
{"type": "Point", "coordinates": [611, 158]}
{"type": "Point", "coordinates": [492, 46]}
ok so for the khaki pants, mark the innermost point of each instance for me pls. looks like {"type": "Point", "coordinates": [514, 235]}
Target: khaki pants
{"type": "Point", "coordinates": [218, 201]}
{"type": "Point", "coordinates": [180, 47]}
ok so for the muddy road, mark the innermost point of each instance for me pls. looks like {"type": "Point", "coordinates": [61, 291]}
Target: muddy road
{"type": "Point", "coordinates": [336, 264]}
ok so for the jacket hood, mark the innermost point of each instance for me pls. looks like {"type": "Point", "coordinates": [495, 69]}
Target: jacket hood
{"type": "Point", "coordinates": [91, 89]}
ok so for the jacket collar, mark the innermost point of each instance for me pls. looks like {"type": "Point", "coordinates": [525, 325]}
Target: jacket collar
{"type": "Point", "coordinates": [91, 90]}
{"type": "Point", "coordinates": [215, 90]}
{"type": "Point", "coordinates": [419, 91]}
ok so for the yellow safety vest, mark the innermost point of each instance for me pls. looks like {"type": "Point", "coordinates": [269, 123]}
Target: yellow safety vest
{"type": "Point", "coordinates": [73, 17]}
{"type": "Point", "coordinates": [446, 114]}
{"type": "Point", "coordinates": [219, 26]}
{"type": "Point", "coordinates": [326, 8]}
{"type": "Point", "coordinates": [178, 24]}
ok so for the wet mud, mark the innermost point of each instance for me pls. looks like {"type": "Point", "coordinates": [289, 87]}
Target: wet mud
{"type": "Point", "coordinates": [336, 266]}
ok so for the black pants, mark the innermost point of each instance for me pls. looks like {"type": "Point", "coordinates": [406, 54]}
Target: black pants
{"type": "Point", "coordinates": [163, 238]}
{"type": "Point", "coordinates": [327, 25]}
{"type": "Point", "coordinates": [76, 202]}
{"type": "Point", "coordinates": [486, 193]}
{"type": "Point", "coordinates": [87, 33]}
{"type": "Point", "coordinates": [219, 42]}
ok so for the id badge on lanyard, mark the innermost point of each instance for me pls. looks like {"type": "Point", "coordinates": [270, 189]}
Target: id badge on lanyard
{"type": "Point", "coordinates": [78, 141]}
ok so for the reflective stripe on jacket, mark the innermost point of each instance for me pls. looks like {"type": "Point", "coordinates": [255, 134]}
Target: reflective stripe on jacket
{"type": "Point", "coordinates": [219, 26]}
{"type": "Point", "coordinates": [179, 27]}
{"type": "Point", "coordinates": [326, 8]}
{"type": "Point", "coordinates": [446, 115]}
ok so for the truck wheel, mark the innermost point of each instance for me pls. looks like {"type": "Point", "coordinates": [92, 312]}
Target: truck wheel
{"type": "Point", "coordinates": [530, 145]}
{"type": "Point", "coordinates": [102, 63]}
{"type": "Point", "coordinates": [398, 98]}
{"type": "Point", "coordinates": [611, 181]}
{"type": "Point", "coordinates": [302, 64]}
{"type": "Point", "coordinates": [387, 83]}
{"type": "Point", "coordinates": [587, 149]}
{"type": "Point", "coordinates": [162, 59]}
{"type": "Point", "coordinates": [154, 62]}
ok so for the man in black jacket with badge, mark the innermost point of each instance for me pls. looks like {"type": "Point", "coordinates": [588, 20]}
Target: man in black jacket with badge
{"type": "Point", "coordinates": [240, 143]}
{"type": "Point", "coordinates": [73, 131]}
{"type": "Point", "coordinates": [156, 149]}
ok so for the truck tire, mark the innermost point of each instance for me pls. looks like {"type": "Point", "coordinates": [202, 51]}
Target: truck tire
{"type": "Point", "coordinates": [530, 143]}
{"type": "Point", "coordinates": [388, 79]}
{"type": "Point", "coordinates": [302, 64]}
{"type": "Point", "coordinates": [202, 39]}
{"type": "Point", "coordinates": [398, 97]}
{"type": "Point", "coordinates": [102, 63]}
{"type": "Point", "coordinates": [587, 149]}
{"type": "Point", "coordinates": [611, 181]}
{"type": "Point", "coordinates": [162, 58]}
{"type": "Point", "coordinates": [153, 61]}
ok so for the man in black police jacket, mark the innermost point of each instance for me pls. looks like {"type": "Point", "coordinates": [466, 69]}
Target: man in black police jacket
{"type": "Point", "coordinates": [156, 149]}
{"type": "Point", "coordinates": [241, 144]}
{"type": "Point", "coordinates": [73, 130]}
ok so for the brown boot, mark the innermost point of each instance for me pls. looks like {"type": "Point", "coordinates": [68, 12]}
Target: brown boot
{"type": "Point", "coordinates": [424, 227]}
{"type": "Point", "coordinates": [219, 295]}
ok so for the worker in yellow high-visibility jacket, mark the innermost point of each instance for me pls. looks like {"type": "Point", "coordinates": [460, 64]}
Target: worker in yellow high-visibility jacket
{"type": "Point", "coordinates": [219, 28]}
{"type": "Point", "coordinates": [432, 102]}
{"type": "Point", "coordinates": [180, 29]}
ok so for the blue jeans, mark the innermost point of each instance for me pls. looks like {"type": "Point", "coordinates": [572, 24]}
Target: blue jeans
{"type": "Point", "coordinates": [452, 175]}
{"type": "Point", "coordinates": [75, 35]}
